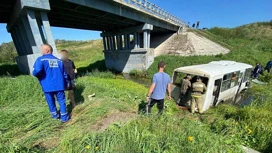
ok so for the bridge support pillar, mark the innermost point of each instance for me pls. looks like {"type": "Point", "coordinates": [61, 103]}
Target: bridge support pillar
{"type": "Point", "coordinates": [128, 49]}
{"type": "Point", "coordinates": [30, 28]}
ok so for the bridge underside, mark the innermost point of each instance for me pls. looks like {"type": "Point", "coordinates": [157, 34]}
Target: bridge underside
{"type": "Point", "coordinates": [125, 31]}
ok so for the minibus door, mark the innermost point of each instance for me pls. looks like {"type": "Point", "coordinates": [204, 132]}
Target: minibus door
{"type": "Point", "coordinates": [216, 92]}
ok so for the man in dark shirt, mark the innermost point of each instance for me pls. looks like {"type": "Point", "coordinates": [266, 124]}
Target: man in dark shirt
{"type": "Point", "coordinates": [268, 66]}
{"type": "Point", "coordinates": [257, 70]}
{"type": "Point", "coordinates": [71, 70]}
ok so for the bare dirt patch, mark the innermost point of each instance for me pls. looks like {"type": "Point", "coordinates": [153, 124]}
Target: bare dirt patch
{"type": "Point", "coordinates": [47, 143]}
{"type": "Point", "coordinates": [188, 44]}
{"type": "Point", "coordinates": [109, 119]}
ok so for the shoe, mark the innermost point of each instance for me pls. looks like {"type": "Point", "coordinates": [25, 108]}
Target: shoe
{"type": "Point", "coordinates": [65, 121]}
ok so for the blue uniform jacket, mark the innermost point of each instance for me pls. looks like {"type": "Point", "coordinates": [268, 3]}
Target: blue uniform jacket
{"type": "Point", "coordinates": [51, 73]}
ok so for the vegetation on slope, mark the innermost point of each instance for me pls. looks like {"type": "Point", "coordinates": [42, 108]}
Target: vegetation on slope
{"type": "Point", "coordinates": [250, 47]}
{"type": "Point", "coordinates": [26, 125]}
{"type": "Point", "coordinates": [251, 125]}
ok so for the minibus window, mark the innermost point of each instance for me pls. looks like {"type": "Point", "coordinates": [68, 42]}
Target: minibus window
{"type": "Point", "coordinates": [247, 75]}
{"type": "Point", "coordinates": [226, 82]}
{"type": "Point", "coordinates": [234, 79]}
{"type": "Point", "coordinates": [179, 76]}
{"type": "Point", "coordinates": [230, 80]}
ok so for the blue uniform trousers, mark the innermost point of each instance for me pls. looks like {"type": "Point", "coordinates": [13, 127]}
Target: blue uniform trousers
{"type": "Point", "coordinates": [50, 98]}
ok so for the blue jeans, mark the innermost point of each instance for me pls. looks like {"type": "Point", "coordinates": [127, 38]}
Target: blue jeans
{"type": "Point", "coordinates": [50, 98]}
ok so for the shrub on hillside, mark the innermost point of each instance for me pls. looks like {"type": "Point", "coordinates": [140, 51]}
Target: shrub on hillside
{"type": "Point", "coordinates": [224, 32]}
{"type": "Point", "coordinates": [7, 52]}
{"type": "Point", "coordinates": [97, 73]}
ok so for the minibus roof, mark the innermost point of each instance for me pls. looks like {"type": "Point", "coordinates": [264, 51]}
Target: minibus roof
{"type": "Point", "coordinates": [213, 68]}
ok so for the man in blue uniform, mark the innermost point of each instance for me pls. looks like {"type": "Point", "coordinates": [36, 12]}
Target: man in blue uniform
{"type": "Point", "coordinates": [50, 72]}
{"type": "Point", "coordinates": [160, 84]}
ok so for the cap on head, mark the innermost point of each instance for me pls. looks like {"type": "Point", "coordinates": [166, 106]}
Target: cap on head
{"type": "Point", "coordinates": [198, 78]}
{"type": "Point", "coordinates": [161, 64]}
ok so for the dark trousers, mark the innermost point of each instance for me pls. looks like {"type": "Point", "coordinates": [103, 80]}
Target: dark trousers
{"type": "Point", "coordinates": [152, 102]}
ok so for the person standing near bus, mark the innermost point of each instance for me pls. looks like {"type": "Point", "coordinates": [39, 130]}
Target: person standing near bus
{"type": "Point", "coordinates": [50, 72]}
{"type": "Point", "coordinates": [71, 70]}
{"type": "Point", "coordinates": [156, 94]}
{"type": "Point", "coordinates": [268, 66]}
{"type": "Point", "coordinates": [198, 89]}
{"type": "Point", "coordinates": [256, 71]}
{"type": "Point", "coordinates": [184, 90]}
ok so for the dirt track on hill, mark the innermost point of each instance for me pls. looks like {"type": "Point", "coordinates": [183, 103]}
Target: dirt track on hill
{"type": "Point", "coordinates": [188, 44]}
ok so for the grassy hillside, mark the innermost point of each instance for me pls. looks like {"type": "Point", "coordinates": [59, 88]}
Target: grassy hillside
{"type": "Point", "coordinates": [26, 125]}
{"type": "Point", "coordinates": [87, 55]}
{"type": "Point", "coordinates": [249, 43]}
{"type": "Point", "coordinates": [111, 121]}
{"type": "Point", "coordinates": [83, 52]}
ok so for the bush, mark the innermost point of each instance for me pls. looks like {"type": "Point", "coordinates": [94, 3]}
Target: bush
{"type": "Point", "coordinates": [137, 73]}
{"type": "Point", "coordinates": [7, 53]}
{"type": "Point", "coordinates": [99, 74]}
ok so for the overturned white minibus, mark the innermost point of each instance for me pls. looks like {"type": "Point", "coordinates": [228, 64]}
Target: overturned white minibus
{"type": "Point", "coordinates": [224, 79]}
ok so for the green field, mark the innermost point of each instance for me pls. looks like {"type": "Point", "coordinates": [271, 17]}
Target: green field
{"type": "Point", "coordinates": [112, 121]}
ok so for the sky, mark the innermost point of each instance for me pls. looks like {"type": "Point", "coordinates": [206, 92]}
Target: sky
{"type": "Point", "coordinates": [210, 13]}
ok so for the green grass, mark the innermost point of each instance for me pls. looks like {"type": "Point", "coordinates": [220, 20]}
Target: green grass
{"type": "Point", "coordinates": [25, 120]}
{"type": "Point", "coordinates": [26, 125]}
{"type": "Point", "coordinates": [250, 48]}
{"type": "Point", "coordinates": [165, 134]}
{"type": "Point", "coordinates": [87, 55]}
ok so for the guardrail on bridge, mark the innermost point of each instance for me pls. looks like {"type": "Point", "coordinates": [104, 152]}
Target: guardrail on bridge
{"type": "Point", "coordinates": [149, 7]}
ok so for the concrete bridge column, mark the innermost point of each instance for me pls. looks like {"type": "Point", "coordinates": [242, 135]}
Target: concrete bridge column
{"type": "Point", "coordinates": [146, 36]}
{"type": "Point", "coordinates": [118, 42]}
{"type": "Point", "coordinates": [104, 43]}
{"type": "Point", "coordinates": [136, 40]}
{"type": "Point", "coordinates": [113, 42]}
{"type": "Point", "coordinates": [108, 43]}
{"type": "Point", "coordinates": [30, 28]}
{"type": "Point", "coordinates": [126, 41]}
{"type": "Point", "coordinates": [131, 56]}
{"type": "Point", "coordinates": [121, 42]}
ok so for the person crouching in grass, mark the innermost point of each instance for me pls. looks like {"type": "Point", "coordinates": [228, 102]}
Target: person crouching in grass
{"type": "Point", "coordinates": [71, 70]}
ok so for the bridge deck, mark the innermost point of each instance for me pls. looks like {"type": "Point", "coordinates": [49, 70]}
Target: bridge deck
{"type": "Point", "coordinates": [97, 15]}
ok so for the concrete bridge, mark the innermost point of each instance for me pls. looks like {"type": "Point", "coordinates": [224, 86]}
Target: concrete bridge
{"type": "Point", "coordinates": [127, 26]}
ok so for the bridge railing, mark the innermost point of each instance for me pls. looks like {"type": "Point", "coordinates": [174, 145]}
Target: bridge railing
{"type": "Point", "coordinates": [147, 6]}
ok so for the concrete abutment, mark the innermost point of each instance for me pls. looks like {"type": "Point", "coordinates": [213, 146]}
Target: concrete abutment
{"type": "Point", "coordinates": [29, 27]}
{"type": "Point", "coordinates": [128, 49]}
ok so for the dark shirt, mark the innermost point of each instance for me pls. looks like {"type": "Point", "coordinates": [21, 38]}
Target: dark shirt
{"type": "Point", "coordinates": [268, 65]}
{"type": "Point", "coordinates": [257, 69]}
{"type": "Point", "coordinates": [69, 68]}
